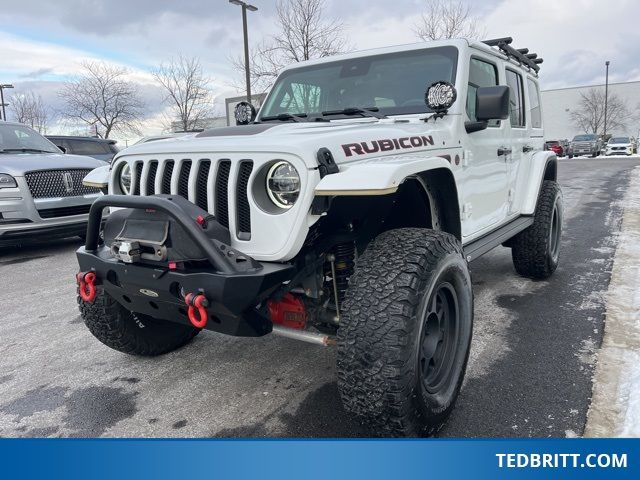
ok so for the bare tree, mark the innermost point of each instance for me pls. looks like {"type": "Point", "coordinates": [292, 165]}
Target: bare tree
{"type": "Point", "coordinates": [303, 34]}
{"type": "Point", "coordinates": [103, 98]}
{"type": "Point", "coordinates": [589, 116]}
{"type": "Point", "coordinates": [444, 19]}
{"type": "Point", "coordinates": [187, 91]}
{"type": "Point", "coordinates": [28, 108]}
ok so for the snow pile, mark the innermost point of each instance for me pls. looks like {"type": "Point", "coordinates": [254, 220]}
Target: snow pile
{"type": "Point", "coordinates": [615, 409]}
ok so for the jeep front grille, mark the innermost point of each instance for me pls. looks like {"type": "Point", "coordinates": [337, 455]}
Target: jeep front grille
{"type": "Point", "coordinates": [58, 183]}
{"type": "Point", "coordinates": [206, 183]}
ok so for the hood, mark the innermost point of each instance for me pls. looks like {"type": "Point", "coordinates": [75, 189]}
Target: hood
{"type": "Point", "coordinates": [626, 144]}
{"type": "Point", "coordinates": [17, 164]}
{"type": "Point", "coordinates": [348, 140]}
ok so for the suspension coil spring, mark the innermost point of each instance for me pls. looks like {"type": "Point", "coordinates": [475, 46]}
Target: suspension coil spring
{"type": "Point", "coordinates": [345, 255]}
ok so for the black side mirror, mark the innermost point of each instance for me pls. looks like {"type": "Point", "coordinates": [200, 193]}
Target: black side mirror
{"type": "Point", "coordinates": [64, 150]}
{"type": "Point", "coordinates": [492, 103]}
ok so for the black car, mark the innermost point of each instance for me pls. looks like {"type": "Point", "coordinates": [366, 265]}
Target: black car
{"type": "Point", "coordinates": [100, 148]}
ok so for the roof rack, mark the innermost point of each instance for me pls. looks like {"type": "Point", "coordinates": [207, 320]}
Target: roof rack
{"type": "Point", "coordinates": [521, 55]}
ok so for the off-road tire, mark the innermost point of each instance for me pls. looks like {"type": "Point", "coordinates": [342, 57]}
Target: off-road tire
{"type": "Point", "coordinates": [382, 331]}
{"type": "Point", "coordinates": [534, 253]}
{"type": "Point", "coordinates": [131, 333]}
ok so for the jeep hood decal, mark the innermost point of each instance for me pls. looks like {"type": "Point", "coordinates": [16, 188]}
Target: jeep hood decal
{"type": "Point", "coordinates": [386, 145]}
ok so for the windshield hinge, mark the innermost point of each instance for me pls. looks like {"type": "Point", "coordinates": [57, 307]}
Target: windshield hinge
{"type": "Point", "coordinates": [326, 163]}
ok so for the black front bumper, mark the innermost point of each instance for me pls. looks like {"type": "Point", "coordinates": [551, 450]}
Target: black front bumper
{"type": "Point", "coordinates": [233, 291]}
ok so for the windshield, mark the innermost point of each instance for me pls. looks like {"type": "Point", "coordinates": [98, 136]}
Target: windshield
{"type": "Point", "coordinates": [619, 140]}
{"type": "Point", "coordinates": [19, 138]}
{"type": "Point", "coordinates": [391, 84]}
{"type": "Point", "coordinates": [584, 138]}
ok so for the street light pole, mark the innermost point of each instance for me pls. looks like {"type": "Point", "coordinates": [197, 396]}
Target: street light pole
{"type": "Point", "coordinates": [606, 99]}
{"type": "Point", "coordinates": [2, 87]}
{"type": "Point", "coordinates": [245, 7]}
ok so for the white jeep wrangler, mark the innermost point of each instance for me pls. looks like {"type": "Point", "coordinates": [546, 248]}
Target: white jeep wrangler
{"type": "Point", "coordinates": [346, 212]}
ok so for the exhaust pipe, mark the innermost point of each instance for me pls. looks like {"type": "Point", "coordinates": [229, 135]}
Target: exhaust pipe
{"type": "Point", "coordinates": [304, 336]}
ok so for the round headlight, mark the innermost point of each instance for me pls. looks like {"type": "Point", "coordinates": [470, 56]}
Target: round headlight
{"type": "Point", "coordinates": [124, 178]}
{"type": "Point", "coordinates": [283, 184]}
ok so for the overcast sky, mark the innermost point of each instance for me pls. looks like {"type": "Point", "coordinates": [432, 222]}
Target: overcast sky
{"type": "Point", "coordinates": [42, 42]}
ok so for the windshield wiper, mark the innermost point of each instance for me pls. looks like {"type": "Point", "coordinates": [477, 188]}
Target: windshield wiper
{"type": "Point", "coordinates": [25, 150]}
{"type": "Point", "coordinates": [285, 117]}
{"type": "Point", "coordinates": [365, 112]}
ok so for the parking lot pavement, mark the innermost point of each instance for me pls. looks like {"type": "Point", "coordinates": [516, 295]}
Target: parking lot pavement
{"type": "Point", "coordinates": [530, 371]}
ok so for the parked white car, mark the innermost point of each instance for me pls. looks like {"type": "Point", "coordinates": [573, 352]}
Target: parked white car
{"type": "Point", "coordinates": [619, 146]}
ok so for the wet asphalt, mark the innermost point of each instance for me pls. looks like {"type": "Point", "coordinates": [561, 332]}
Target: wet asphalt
{"type": "Point", "coordinates": [532, 361]}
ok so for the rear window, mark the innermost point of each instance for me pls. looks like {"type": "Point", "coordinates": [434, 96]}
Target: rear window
{"type": "Point", "coordinates": [88, 147]}
{"type": "Point", "coordinates": [516, 99]}
{"type": "Point", "coordinates": [534, 104]}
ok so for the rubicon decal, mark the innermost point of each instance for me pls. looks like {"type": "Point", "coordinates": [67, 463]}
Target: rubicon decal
{"type": "Point", "coordinates": [386, 145]}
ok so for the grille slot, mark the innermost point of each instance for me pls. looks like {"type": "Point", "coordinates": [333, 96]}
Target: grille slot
{"type": "Point", "coordinates": [51, 183]}
{"type": "Point", "coordinates": [201, 184]}
{"type": "Point", "coordinates": [136, 185]}
{"type": "Point", "coordinates": [183, 179]}
{"type": "Point", "coordinates": [151, 178]}
{"type": "Point", "coordinates": [221, 193]}
{"type": "Point", "coordinates": [64, 211]}
{"type": "Point", "coordinates": [243, 211]}
{"type": "Point", "coordinates": [166, 177]}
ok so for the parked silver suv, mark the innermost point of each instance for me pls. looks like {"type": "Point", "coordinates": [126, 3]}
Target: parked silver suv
{"type": "Point", "coordinates": [587, 144]}
{"type": "Point", "coordinates": [41, 190]}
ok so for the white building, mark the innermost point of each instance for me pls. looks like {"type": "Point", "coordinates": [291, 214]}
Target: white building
{"type": "Point", "coordinates": [557, 106]}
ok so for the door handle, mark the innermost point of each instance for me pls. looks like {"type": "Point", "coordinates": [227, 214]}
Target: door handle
{"type": "Point", "coordinates": [527, 149]}
{"type": "Point", "coordinates": [502, 151]}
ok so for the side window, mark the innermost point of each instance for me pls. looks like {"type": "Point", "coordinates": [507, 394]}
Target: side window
{"type": "Point", "coordinates": [481, 74]}
{"type": "Point", "coordinates": [534, 104]}
{"type": "Point", "coordinates": [516, 99]}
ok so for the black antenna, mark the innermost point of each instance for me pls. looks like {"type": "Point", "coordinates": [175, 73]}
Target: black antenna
{"type": "Point", "coordinates": [522, 55]}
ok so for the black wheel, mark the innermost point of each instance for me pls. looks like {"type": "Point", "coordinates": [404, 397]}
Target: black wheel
{"type": "Point", "coordinates": [405, 332]}
{"type": "Point", "coordinates": [131, 333]}
{"type": "Point", "coordinates": [536, 250]}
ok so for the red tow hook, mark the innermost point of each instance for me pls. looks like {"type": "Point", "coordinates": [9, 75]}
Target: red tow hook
{"type": "Point", "coordinates": [197, 303]}
{"type": "Point", "coordinates": [87, 286]}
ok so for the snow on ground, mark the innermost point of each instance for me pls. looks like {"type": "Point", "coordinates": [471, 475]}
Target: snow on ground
{"type": "Point", "coordinates": [615, 409]}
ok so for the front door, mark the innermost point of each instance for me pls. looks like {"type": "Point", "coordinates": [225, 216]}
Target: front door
{"type": "Point", "coordinates": [484, 181]}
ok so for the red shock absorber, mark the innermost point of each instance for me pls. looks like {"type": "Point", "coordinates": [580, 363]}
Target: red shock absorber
{"type": "Point", "coordinates": [197, 312]}
{"type": "Point", "coordinates": [87, 286]}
